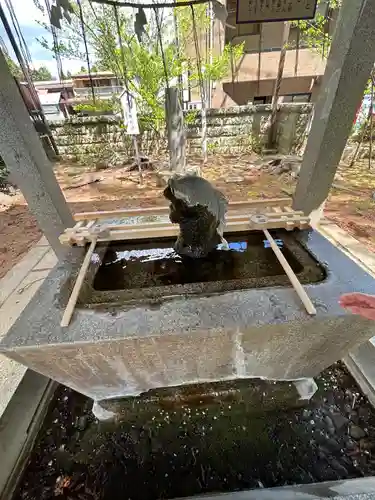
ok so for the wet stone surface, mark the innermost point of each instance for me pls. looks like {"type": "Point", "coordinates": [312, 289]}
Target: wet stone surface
{"type": "Point", "coordinates": [203, 449]}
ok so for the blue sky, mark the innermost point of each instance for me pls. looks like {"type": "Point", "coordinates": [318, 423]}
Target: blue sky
{"type": "Point", "coordinates": [28, 16]}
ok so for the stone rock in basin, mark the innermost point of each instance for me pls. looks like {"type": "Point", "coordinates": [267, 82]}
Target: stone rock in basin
{"type": "Point", "coordinates": [199, 209]}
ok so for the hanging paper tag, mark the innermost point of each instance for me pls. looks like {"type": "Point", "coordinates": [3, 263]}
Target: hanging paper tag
{"type": "Point", "coordinates": [129, 110]}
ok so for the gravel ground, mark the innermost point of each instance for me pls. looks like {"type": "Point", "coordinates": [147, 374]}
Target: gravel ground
{"type": "Point", "coordinates": [77, 458]}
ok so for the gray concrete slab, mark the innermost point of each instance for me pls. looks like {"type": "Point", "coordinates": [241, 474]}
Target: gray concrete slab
{"type": "Point", "coordinates": [18, 273]}
{"type": "Point", "coordinates": [16, 290]}
{"type": "Point", "coordinates": [131, 348]}
{"type": "Point", "coordinates": [355, 249]}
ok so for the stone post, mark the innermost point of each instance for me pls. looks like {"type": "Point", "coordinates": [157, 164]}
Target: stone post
{"type": "Point", "coordinates": [348, 68]}
{"type": "Point", "coordinates": [27, 162]}
{"type": "Point", "coordinates": [175, 129]}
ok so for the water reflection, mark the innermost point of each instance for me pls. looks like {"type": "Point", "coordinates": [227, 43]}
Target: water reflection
{"type": "Point", "coordinates": [146, 255]}
{"type": "Point", "coordinates": [126, 267]}
{"type": "Point", "coordinates": [153, 254]}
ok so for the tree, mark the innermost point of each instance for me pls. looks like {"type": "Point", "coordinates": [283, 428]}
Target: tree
{"type": "Point", "coordinates": [315, 34]}
{"type": "Point", "coordinates": [203, 65]}
{"type": "Point", "coordinates": [141, 64]}
{"type": "Point", "coordinates": [3, 176]}
{"type": "Point", "coordinates": [41, 74]}
{"type": "Point", "coordinates": [14, 68]}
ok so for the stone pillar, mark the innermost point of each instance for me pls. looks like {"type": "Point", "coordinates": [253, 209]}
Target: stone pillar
{"type": "Point", "coordinates": [27, 162]}
{"type": "Point", "coordinates": [348, 68]}
{"type": "Point", "coordinates": [176, 130]}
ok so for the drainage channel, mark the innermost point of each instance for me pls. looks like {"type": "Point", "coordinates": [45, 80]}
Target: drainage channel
{"type": "Point", "coordinates": [206, 450]}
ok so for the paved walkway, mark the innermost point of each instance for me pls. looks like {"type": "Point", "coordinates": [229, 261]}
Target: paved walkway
{"type": "Point", "coordinates": [16, 290]}
{"type": "Point", "coordinates": [349, 245]}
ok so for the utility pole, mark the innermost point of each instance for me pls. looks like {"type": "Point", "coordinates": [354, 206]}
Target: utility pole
{"type": "Point", "coordinates": [276, 90]}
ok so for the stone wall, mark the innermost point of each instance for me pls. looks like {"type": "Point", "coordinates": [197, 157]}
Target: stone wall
{"type": "Point", "coordinates": [91, 136]}
{"type": "Point", "coordinates": [231, 130]}
{"type": "Point", "coordinates": [244, 127]}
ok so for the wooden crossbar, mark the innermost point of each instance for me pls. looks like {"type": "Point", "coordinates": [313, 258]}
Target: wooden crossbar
{"type": "Point", "coordinates": [242, 216]}
{"type": "Point", "coordinates": [133, 212]}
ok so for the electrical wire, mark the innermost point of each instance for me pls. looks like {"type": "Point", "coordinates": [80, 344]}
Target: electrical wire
{"type": "Point", "coordinates": [158, 28]}
{"type": "Point", "coordinates": [24, 66]}
{"type": "Point", "coordinates": [197, 51]}
{"type": "Point", "coordinates": [135, 143]}
{"type": "Point", "coordinates": [23, 46]}
{"type": "Point", "coordinates": [23, 56]}
{"type": "Point", "coordinates": [86, 48]}
{"type": "Point", "coordinates": [260, 46]}
{"type": "Point", "coordinates": [108, 52]}
{"type": "Point", "coordinates": [201, 83]}
{"type": "Point", "coordinates": [122, 53]}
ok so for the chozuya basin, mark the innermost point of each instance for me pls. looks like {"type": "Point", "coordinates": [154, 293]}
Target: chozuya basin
{"type": "Point", "coordinates": [145, 322]}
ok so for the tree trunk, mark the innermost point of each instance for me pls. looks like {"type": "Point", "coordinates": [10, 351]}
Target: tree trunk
{"type": "Point", "coordinates": [365, 125]}
{"type": "Point", "coordinates": [276, 90]}
{"type": "Point", "coordinates": [371, 120]}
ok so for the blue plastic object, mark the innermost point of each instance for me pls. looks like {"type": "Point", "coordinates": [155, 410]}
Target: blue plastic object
{"type": "Point", "coordinates": [279, 243]}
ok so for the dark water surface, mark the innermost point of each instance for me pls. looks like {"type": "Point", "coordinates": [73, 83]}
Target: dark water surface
{"type": "Point", "coordinates": [213, 449]}
{"type": "Point", "coordinates": [144, 266]}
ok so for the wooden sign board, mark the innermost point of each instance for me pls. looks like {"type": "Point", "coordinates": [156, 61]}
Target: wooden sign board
{"type": "Point", "coordinates": [265, 11]}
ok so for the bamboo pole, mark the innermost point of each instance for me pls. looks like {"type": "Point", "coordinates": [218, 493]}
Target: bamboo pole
{"type": "Point", "coordinates": [291, 275]}
{"type": "Point", "coordinates": [67, 316]}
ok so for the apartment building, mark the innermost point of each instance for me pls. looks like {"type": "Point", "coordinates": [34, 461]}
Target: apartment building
{"type": "Point", "coordinates": [58, 98]}
{"type": "Point", "coordinates": [105, 85]}
{"type": "Point", "coordinates": [256, 72]}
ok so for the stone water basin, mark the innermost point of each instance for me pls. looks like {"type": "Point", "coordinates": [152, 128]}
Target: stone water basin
{"type": "Point", "coordinates": [146, 321]}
